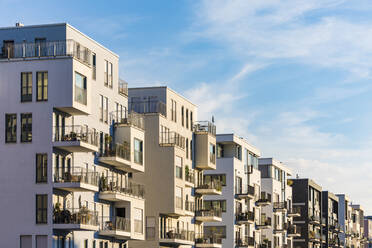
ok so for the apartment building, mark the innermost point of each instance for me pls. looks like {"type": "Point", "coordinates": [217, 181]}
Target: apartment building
{"type": "Point", "coordinates": [308, 196]}
{"type": "Point", "coordinates": [237, 169]}
{"type": "Point", "coordinates": [274, 176]}
{"type": "Point", "coordinates": [345, 220]}
{"type": "Point", "coordinates": [330, 220]}
{"type": "Point", "coordinates": [368, 231]}
{"type": "Point", "coordinates": [357, 217]}
{"type": "Point", "coordinates": [69, 148]}
{"type": "Point", "coordinates": [178, 149]}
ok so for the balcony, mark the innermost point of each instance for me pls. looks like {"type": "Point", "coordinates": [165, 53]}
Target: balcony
{"type": "Point", "coordinates": [176, 237]}
{"type": "Point", "coordinates": [75, 139]}
{"type": "Point", "coordinates": [246, 192]}
{"type": "Point", "coordinates": [280, 206]}
{"type": "Point", "coordinates": [244, 242]}
{"type": "Point", "coordinates": [264, 200]}
{"type": "Point", "coordinates": [314, 237]}
{"type": "Point", "coordinates": [204, 240]}
{"type": "Point", "coordinates": [213, 215]}
{"type": "Point", "coordinates": [124, 118]}
{"type": "Point", "coordinates": [204, 127]}
{"type": "Point", "coordinates": [148, 107]}
{"type": "Point", "coordinates": [294, 231]}
{"type": "Point", "coordinates": [81, 219]}
{"type": "Point", "coordinates": [264, 223]}
{"type": "Point", "coordinates": [47, 49]}
{"type": "Point", "coordinates": [277, 228]}
{"type": "Point", "coordinates": [244, 218]}
{"type": "Point", "coordinates": [117, 155]}
{"type": "Point", "coordinates": [172, 139]}
{"type": "Point", "coordinates": [110, 190]}
{"type": "Point", "coordinates": [116, 227]}
{"type": "Point", "coordinates": [189, 208]}
{"type": "Point", "coordinates": [314, 219]}
{"type": "Point", "coordinates": [294, 212]}
{"type": "Point", "coordinates": [189, 178]}
{"type": "Point", "coordinates": [75, 180]}
{"type": "Point", "coordinates": [209, 188]}
{"type": "Point", "coordinates": [123, 88]}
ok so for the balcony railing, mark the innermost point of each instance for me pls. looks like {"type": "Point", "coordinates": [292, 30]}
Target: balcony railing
{"type": "Point", "coordinates": [190, 206]}
{"type": "Point", "coordinates": [48, 49]}
{"type": "Point", "coordinates": [264, 199]}
{"type": "Point", "coordinates": [314, 218]}
{"type": "Point", "coordinates": [75, 133]}
{"type": "Point", "coordinates": [123, 87]}
{"type": "Point", "coordinates": [145, 107]}
{"type": "Point", "coordinates": [176, 233]}
{"type": "Point", "coordinates": [172, 139]}
{"type": "Point", "coordinates": [205, 127]}
{"type": "Point", "coordinates": [245, 190]}
{"type": "Point", "coordinates": [295, 210]}
{"type": "Point", "coordinates": [75, 175]}
{"type": "Point", "coordinates": [294, 230]}
{"type": "Point", "coordinates": [208, 239]}
{"type": "Point", "coordinates": [246, 216]}
{"type": "Point", "coordinates": [115, 223]}
{"type": "Point", "coordinates": [279, 205]}
{"type": "Point", "coordinates": [264, 221]}
{"type": "Point", "coordinates": [209, 213]}
{"type": "Point", "coordinates": [117, 150]}
{"type": "Point", "coordinates": [109, 184]}
{"type": "Point", "coordinates": [81, 215]}
{"type": "Point", "coordinates": [216, 185]}
{"type": "Point", "coordinates": [244, 241]}
{"type": "Point", "coordinates": [190, 177]}
{"type": "Point", "coordinates": [127, 118]}
{"type": "Point", "coordinates": [212, 158]}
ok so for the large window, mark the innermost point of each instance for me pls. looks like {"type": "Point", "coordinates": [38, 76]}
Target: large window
{"type": "Point", "coordinates": [10, 128]}
{"type": "Point", "coordinates": [80, 88]}
{"type": "Point", "coordinates": [42, 86]}
{"type": "Point", "coordinates": [215, 204]}
{"type": "Point", "coordinates": [212, 153]}
{"type": "Point", "coordinates": [179, 197]}
{"type": "Point", "coordinates": [219, 231]}
{"type": "Point", "coordinates": [26, 86]}
{"type": "Point", "coordinates": [174, 111]}
{"type": "Point", "coordinates": [41, 168]}
{"type": "Point", "coordinates": [26, 127]}
{"type": "Point", "coordinates": [215, 177]}
{"type": "Point", "coordinates": [178, 162]}
{"type": "Point", "coordinates": [138, 220]}
{"type": "Point", "coordinates": [138, 151]}
{"type": "Point", "coordinates": [108, 74]}
{"type": "Point", "coordinates": [41, 209]}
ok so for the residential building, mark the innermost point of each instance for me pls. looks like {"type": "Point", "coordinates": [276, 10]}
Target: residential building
{"type": "Point", "coordinates": [357, 217]}
{"type": "Point", "coordinates": [68, 148]}
{"type": "Point", "coordinates": [368, 231]}
{"type": "Point", "coordinates": [237, 168]}
{"type": "Point", "coordinates": [308, 196]}
{"type": "Point", "coordinates": [274, 176]}
{"type": "Point", "coordinates": [178, 149]}
{"type": "Point", "coordinates": [330, 220]}
{"type": "Point", "coordinates": [345, 220]}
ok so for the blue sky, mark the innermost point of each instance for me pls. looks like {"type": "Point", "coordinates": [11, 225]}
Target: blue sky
{"type": "Point", "coordinates": [293, 77]}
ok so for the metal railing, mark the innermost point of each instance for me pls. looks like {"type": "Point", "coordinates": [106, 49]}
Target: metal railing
{"type": "Point", "coordinates": [204, 127]}
{"type": "Point", "coordinates": [244, 241]}
{"type": "Point", "coordinates": [294, 229]}
{"type": "Point", "coordinates": [115, 223]}
{"type": "Point", "coordinates": [245, 190]}
{"type": "Point", "coordinates": [190, 206]}
{"type": "Point", "coordinates": [48, 49]}
{"type": "Point", "coordinates": [245, 216]}
{"type": "Point", "coordinates": [264, 221]}
{"type": "Point", "coordinates": [190, 177]}
{"type": "Point", "coordinates": [127, 118]}
{"type": "Point", "coordinates": [109, 184]}
{"type": "Point", "coordinates": [264, 198]}
{"type": "Point", "coordinates": [294, 210]}
{"type": "Point", "coordinates": [123, 87]}
{"type": "Point", "coordinates": [215, 184]}
{"type": "Point", "coordinates": [209, 213]}
{"type": "Point", "coordinates": [75, 133]}
{"type": "Point", "coordinates": [208, 239]}
{"type": "Point", "coordinates": [117, 150]}
{"type": "Point", "coordinates": [81, 215]}
{"type": "Point", "coordinates": [172, 138]}
{"type": "Point", "coordinates": [145, 107]}
{"type": "Point", "coordinates": [279, 205]}
{"type": "Point", "coordinates": [176, 233]}
{"type": "Point", "coordinates": [75, 175]}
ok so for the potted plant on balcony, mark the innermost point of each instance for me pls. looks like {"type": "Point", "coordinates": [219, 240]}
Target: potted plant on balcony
{"type": "Point", "coordinates": [187, 171]}
{"type": "Point", "coordinates": [108, 140]}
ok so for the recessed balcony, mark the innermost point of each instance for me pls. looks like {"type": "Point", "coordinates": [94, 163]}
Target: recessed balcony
{"type": "Point", "coordinates": [244, 218]}
{"type": "Point", "coordinates": [125, 118]}
{"type": "Point", "coordinates": [189, 208]}
{"type": "Point", "coordinates": [246, 192]}
{"type": "Point", "coordinates": [110, 190]}
{"type": "Point", "coordinates": [280, 206]}
{"type": "Point", "coordinates": [294, 231]}
{"type": "Point", "coordinates": [294, 211]}
{"type": "Point", "coordinates": [244, 242]}
{"type": "Point", "coordinates": [208, 241]}
{"type": "Point", "coordinates": [75, 180]}
{"type": "Point", "coordinates": [314, 237]}
{"type": "Point", "coordinates": [209, 188]}
{"type": "Point", "coordinates": [264, 200]}
{"type": "Point", "coordinates": [75, 139]}
{"type": "Point", "coordinates": [176, 237]}
{"type": "Point", "coordinates": [78, 219]}
{"type": "Point", "coordinates": [314, 219]}
{"type": "Point", "coordinates": [264, 223]}
{"type": "Point", "coordinates": [189, 178]}
{"type": "Point", "coordinates": [172, 139]}
{"type": "Point", "coordinates": [212, 215]}
{"type": "Point", "coordinates": [116, 227]}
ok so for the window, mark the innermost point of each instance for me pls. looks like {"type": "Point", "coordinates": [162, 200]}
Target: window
{"type": "Point", "coordinates": [183, 116]}
{"type": "Point", "coordinates": [174, 111]}
{"type": "Point", "coordinates": [41, 168]}
{"type": "Point", "coordinates": [138, 151]}
{"type": "Point", "coordinates": [138, 220]}
{"type": "Point", "coordinates": [26, 127]}
{"type": "Point", "coordinates": [179, 194]}
{"type": "Point", "coordinates": [26, 86]}
{"type": "Point", "coordinates": [220, 151]}
{"type": "Point", "coordinates": [187, 118]}
{"type": "Point", "coordinates": [101, 108]}
{"type": "Point", "coordinates": [187, 148]}
{"type": "Point", "coordinates": [86, 243]}
{"type": "Point", "coordinates": [94, 244]}
{"type": "Point", "coordinates": [178, 161]}
{"type": "Point", "coordinates": [94, 66]}
{"type": "Point", "coordinates": [108, 74]}
{"type": "Point", "coordinates": [80, 88]}
{"type": "Point", "coordinates": [215, 204]}
{"type": "Point", "coordinates": [26, 241]}
{"type": "Point", "coordinates": [41, 241]}
{"type": "Point", "coordinates": [191, 150]}
{"type": "Point", "coordinates": [10, 128]}
{"type": "Point", "coordinates": [42, 86]}
{"type": "Point", "coordinates": [238, 185]}
{"type": "Point", "coordinates": [219, 231]}
{"type": "Point", "coordinates": [101, 244]}
{"type": "Point", "coordinates": [41, 209]}
{"type": "Point", "coordinates": [212, 153]}
{"type": "Point", "coordinates": [191, 121]}
{"type": "Point", "coordinates": [216, 177]}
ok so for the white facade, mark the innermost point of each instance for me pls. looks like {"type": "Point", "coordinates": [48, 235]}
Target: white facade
{"type": "Point", "coordinates": [75, 138]}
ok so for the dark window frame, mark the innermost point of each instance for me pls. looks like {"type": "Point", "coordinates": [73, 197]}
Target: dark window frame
{"type": "Point", "coordinates": [42, 211]}
{"type": "Point", "coordinates": [12, 130]}
{"type": "Point", "coordinates": [26, 85]}
{"type": "Point", "coordinates": [40, 95]}
{"type": "Point", "coordinates": [41, 168]}
{"type": "Point", "coordinates": [27, 129]}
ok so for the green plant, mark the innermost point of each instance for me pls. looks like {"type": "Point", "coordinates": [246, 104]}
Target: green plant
{"type": "Point", "coordinates": [187, 170]}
